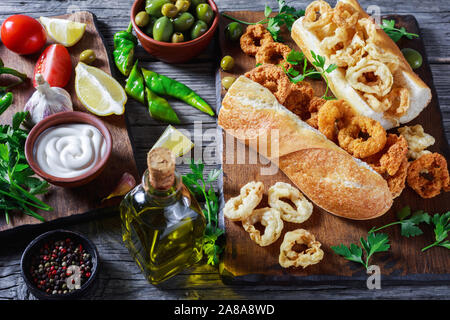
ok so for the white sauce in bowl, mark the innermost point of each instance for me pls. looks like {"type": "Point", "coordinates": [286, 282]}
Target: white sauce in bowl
{"type": "Point", "coordinates": [69, 150]}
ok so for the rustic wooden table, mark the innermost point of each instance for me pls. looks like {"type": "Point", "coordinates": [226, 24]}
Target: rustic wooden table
{"type": "Point", "coordinates": [120, 278]}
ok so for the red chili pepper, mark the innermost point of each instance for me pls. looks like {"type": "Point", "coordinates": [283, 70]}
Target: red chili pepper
{"type": "Point", "coordinates": [87, 274]}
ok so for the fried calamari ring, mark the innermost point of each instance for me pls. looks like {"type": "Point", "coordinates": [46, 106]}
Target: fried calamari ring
{"type": "Point", "coordinates": [350, 140]}
{"type": "Point", "coordinates": [388, 160]}
{"type": "Point", "coordinates": [298, 99]}
{"type": "Point", "coordinates": [303, 210]}
{"type": "Point", "coordinates": [273, 53]}
{"type": "Point", "coordinates": [254, 38]}
{"type": "Point", "coordinates": [242, 206]}
{"type": "Point", "coordinates": [370, 76]}
{"type": "Point", "coordinates": [315, 104]}
{"type": "Point", "coordinates": [396, 182]}
{"type": "Point", "coordinates": [274, 79]}
{"type": "Point", "coordinates": [270, 219]}
{"type": "Point", "coordinates": [345, 15]}
{"type": "Point", "coordinates": [333, 116]}
{"type": "Point", "coordinates": [313, 120]}
{"type": "Point", "coordinates": [317, 15]}
{"type": "Point", "coordinates": [428, 175]}
{"type": "Point", "coordinates": [290, 258]}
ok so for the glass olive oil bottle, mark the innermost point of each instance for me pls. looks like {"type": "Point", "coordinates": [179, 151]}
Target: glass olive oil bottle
{"type": "Point", "coordinates": [162, 223]}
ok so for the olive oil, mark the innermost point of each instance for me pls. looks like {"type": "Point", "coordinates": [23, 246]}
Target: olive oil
{"type": "Point", "coordinates": [162, 223]}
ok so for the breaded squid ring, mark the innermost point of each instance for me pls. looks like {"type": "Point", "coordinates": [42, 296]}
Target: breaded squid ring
{"type": "Point", "coordinates": [350, 140]}
{"type": "Point", "coordinates": [345, 15]}
{"type": "Point", "coordinates": [270, 219]}
{"type": "Point", "coordinates": [254, 38]}
{"type": "Point", "coordinates": [290, 258]}
{"type": "Point", "coordinates": [303, 209]}
{"type": "Point", "coordinates": [317, 15]}
{"type": "Point", "coordinates": [333, 116]}
{"type": "Point", "coordinates": [274, 79]}
{"type": "Point", "coordinates": [389, 160]}
{"type": "Point", "coordinates": [428, 175]}
{"type": "Point", "coordinates": [396, 182]}
{"type": "Point", "coordinates": [273, 53]}
{"type": "Point", "coordinates": [242, 206]}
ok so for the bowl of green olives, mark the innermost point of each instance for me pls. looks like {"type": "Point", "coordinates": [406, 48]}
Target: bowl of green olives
{"type": "Point", "coordinates": [174, 31]}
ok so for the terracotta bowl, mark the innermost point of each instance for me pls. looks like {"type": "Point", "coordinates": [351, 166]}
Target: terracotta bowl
{"type": "Point", "coordinates": [174, 52]}
{"type": "Point", "coordinates": [65, 118]}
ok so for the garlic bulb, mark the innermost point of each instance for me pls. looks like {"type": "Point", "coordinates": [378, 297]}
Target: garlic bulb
{"type": "Point", "coordinates": [46, 101]}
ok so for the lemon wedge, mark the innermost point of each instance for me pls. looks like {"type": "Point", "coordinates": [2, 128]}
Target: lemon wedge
{"type": "Point", "coordinates": [100, 93]}
{"type": "Point", "coordinates": [175, 141]}
{"type": "Point", "coordinates": [65, 32]}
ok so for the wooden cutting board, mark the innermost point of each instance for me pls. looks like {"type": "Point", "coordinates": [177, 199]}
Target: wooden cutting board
{"type": "Point", "coordinates": [245, 261]}
{"type": "Point", "coordinates": [78, 201]}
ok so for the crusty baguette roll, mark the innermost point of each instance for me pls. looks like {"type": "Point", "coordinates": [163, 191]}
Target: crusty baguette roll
{"type": "Point", "coordinates": [325, 173]}
{"type": "Point", "coordinates": [372, 74]}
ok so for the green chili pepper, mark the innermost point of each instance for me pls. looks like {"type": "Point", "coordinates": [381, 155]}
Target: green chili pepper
{"type": "Point", "coordinates": [3, 70]}
{"type": "Point", "coordinates": [135, 84]}
{"type": "Point", "coordinates": [124, 43]}
{"type": "Point", "coordinates": [6, 99]}
{"type": "Point", "coordinates": [163, 85]}
{"type": "Point", "coordinates": [160, 109]}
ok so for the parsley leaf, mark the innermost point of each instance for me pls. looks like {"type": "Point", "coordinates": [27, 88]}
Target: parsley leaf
{"type": "Point", "coordinates": [297, 58]}
{"type": "Point", "coordinates": [409, 227]}
{"type": "Point", "coordinates": [441, 228]}
{"type": "Point", "coordinates": [195, 182]}
{"type": "Point", "coordinates": [394, 33]}
{"type": "Point", "coordinates": [286, 16]}
{"type": "Point", "coordinates": [375, 243]}
{"type": "Point", "coordinates": [18, 186]}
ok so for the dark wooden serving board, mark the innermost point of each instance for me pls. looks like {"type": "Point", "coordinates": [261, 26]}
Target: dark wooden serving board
{"type": "Point", "coordinates": [85, 199]}
{"type": "Point", "coordinates": [245, 261]}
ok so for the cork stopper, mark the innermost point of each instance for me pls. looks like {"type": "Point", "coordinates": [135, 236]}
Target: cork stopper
{"type": "Point", "coordinates": [161, 168]}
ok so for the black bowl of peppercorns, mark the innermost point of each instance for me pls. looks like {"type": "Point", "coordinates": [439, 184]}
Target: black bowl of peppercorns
{"type": "Point", "coordinates": [60, 264]}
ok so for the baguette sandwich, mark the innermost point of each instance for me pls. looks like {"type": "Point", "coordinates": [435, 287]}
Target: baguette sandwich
{"type": "Point", "coordinates": [327, 174]}
{"type": "Point", "coordinates": [372, 74]}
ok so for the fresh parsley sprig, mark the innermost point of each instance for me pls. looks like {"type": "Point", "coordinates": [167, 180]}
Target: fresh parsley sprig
{"type": "Point", "coordinates": [286, 16]}
{"type": "Point", "coordinates": [441, 228]}
{"type": "Point", "coordinates": [409, 227]}
{"type": "Point", "coordinates": [196, 183]}
{"type": "Point", "coordinates": [18, 186]}
{"type": "Point", "coordinates": [394, 33]}
{"type": "Point", "coordinates": [297, 58]}
{"type": "Point", "coordinates": [376, 242]}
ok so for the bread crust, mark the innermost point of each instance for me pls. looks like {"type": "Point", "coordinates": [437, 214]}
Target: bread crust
{"type": "Point", "coordinates": [420, 93]}
{"type": "Point", "coordinates": [325, 173]}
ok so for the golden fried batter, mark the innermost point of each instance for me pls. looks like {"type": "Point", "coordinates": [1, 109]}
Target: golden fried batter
{"type": "Point", "coordinates": [254, 37]}
{"type": "Point", "coordinates": [428, 175]}
{"type": "Point", "coordinates": [274, 53]}
{"type": "Point", "coordinates": [391, 157]}
{"type": "Point", "coordinates": [396, 182]}
{"type": "Point", "coordinates": [295, 97]}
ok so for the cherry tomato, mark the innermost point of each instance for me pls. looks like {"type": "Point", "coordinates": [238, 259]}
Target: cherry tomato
{"type": "Point", "coordinates": [55, 65]}
{"type": "Point", "coordinates": [23, 34]}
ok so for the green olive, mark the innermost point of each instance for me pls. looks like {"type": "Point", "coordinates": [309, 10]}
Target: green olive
{"type": "Point", "coordinates": [195, 3]}
{"type": "Point", "coordinates": [227, 82]}
{"type": "Point", "coordinates": [177, 37]}
{"type": "Point", "coordinates": [413, 57]}
{"type": "Point", "coordinates": [88, 56]}
{"type": "Point", "coordinates": [162, 29]}
{"type": "Point", "coordinates": [142, 19]}
{"type": "Point", "coordinates": [183, 5]}
{"type": "Point", "coordinates": [227, 63]}
{"type": "Point", "coordinates": [153, 7]}
{"type": "Point", "coordinates": [233, 31]}
{"type": "Point", "coordinates": [169, 10]}
{"type": "Point", "coordinates": [199, 29]}
{"type": "Point", "coordinates": [183, 22]}
{"type": "Point", "coordinates": [149, 27]}
{"type": "Point", "coordinates": [204, 12]}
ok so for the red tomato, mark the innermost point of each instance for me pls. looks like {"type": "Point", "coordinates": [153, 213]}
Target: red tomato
{"type": "Point", "coordinates": [55, 65]}
{"type": "Point", "coordinates": [23, 34]}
